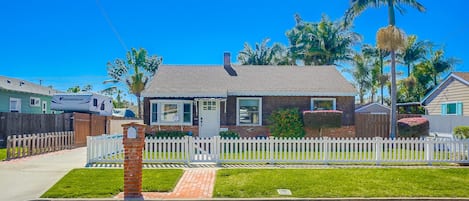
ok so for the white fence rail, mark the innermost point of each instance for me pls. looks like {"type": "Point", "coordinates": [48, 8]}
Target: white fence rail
{"type": "Point", "coordinates": [377, 150]}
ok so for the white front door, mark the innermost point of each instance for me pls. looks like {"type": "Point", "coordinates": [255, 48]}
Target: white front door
{"type": "Point", "coordinates": [209, 118]}
{"type": "Point", "coordinates": [44, 107]}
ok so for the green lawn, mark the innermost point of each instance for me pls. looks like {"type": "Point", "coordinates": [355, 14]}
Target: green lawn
{"type": "Point", "coordinates": [106, 183]}
{"type": "Point", "coordinates": [349, 182]}
{"type": "Point", "coordinates": [3, 154]}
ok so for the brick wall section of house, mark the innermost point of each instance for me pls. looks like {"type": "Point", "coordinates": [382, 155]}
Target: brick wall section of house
{"type": "Point", "coordinates": [156, 128]}
{"type": "Point", "coordinates": [272, 103]}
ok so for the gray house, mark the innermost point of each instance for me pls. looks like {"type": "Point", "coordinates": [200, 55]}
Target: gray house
{"type": "Point", "coordinates": [207, 99]}
{"type": "Point", "coordinates": [24, 97]}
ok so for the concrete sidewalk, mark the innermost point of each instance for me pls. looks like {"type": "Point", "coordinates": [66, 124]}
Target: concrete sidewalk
{"type": "Point", "coordinates": [28, 178]}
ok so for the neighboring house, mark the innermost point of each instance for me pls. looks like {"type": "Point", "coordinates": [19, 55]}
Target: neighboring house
{"type": "Point", "coordinates": [24, 97]}
{"type": "Point", "coordinates": [207, 99]}
{"type": "Point", "coordinates": [85, 102]}
{"type": "Point", "coordinates": [450, 97]}
{"type": "Point", "coordinates": [373, 108]}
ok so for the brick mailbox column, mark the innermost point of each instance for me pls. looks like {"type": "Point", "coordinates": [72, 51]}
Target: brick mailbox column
{"type": "Point", "coordinates": [134, 140]}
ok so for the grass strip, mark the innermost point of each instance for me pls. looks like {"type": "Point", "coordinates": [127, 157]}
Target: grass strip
{"type": "Point", "coordinates": [349, 182]}
{"type": "Point", "coordinates": [106, 183]}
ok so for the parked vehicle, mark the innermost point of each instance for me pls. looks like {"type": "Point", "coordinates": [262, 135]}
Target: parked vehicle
{"type": "Point", "coordinates": [82, 102]}
{"type": "Point", "coordinates": [123, 112]}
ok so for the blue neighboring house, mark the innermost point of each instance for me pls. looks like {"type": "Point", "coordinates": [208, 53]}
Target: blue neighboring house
{"type": "Point", "coordinates": [24, 97]}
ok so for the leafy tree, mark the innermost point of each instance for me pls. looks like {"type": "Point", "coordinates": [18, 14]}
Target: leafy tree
{"type": "Point", "coordinates": [439, 65]}
{"type": "Point", "coordinates": [356, 8]}
{"type": "Point", "coordinates": [262, 54]}
{"type": "Point", "coordinates": [323, 43]}
{"type": "Point", "coordinates": [74, 89]}
{"type": "Point", "coordinates": [135, 71]}
{"type": "Point", "coordinates": [286, 123]}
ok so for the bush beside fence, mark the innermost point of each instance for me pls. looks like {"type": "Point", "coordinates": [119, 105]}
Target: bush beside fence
{"type": "Point", "coordinates": [19, 146]}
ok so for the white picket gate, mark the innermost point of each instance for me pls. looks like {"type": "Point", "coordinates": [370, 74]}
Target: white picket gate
{"type": "Point", "coordinates": [109, 148]}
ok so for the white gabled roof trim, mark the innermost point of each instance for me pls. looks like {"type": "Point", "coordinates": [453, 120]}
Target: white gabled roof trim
{"type": "Point", "coordinates": [452, 75]}
{"type": "Point", "coordinates": [246, 93]}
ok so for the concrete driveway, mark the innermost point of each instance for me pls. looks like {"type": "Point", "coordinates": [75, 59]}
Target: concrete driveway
{"type": "Point", "coordinates": [28, 178]}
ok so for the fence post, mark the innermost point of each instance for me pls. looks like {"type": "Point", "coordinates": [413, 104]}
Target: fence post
{"type": "Point", "coordinates": [189, 149]}
{"type": "Point", "coordinates": [429, 144]}
{"type": "Point", "coordinates": [378, 149]}
{"type": "Point", "coordinates": [271, 141]}
{"type": "Point", "coordinates": [326, 145]}
{"type": "Point", "coordinates": [216, 144]}
{"type": "Point", "coordinates": [9, 151]}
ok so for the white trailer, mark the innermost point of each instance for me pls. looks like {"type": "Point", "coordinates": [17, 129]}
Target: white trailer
{"type": "Point", "coordinates": [82, 102]}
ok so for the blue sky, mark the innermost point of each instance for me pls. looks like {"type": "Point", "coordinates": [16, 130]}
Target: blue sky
{"type": "Point", "coordinates": [68, 43]}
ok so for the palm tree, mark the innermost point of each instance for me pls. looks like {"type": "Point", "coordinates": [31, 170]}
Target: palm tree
{"type": "Point", "coordinates": [323, 43]}
{"type": "Point", "coordinates": [74, 89]}
{"type": "Point", "coordinates": [356, 8]}
{"type": "Point", "coordinates": [414, 51]}
{"type": "Point", "coordinates": [378, 56]}
{"type": "Point", "coordinates": [362, 75]}
{"type": "Point", "coordinates": [439, 65]}
{"type": "Point", "coordinates": [135, 72]}
{"type": "Point", "coordinates": [262, 54]}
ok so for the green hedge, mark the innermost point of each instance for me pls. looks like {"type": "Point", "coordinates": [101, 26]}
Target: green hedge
{"type": "Point", "coordinates": [322, 119]}
{"type": "Point", "coordinates": [413, 127]}
{"type": "Point", "coordinates": [167, 134]}
{"type": "Point", "coordinates": [229, 134]}
{"type": "Point", "coordinates": [461, 132]}
{"type": "Point", "coordinates": [286, 123]}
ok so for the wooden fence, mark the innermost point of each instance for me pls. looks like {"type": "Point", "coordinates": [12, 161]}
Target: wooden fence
{"type": "Point", "coordinates": [21, 123]}
{"type": "Point", "coordinates": [19, 146]}
{"type": "Point", "coordinates": [375, 125]}
{"type": "Point", "coordinates": [89, 125]}
{"type": "Point", "coordinates": [377, 150]}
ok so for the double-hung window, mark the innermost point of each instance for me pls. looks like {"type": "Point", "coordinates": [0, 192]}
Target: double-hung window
{"type": "Point", "coordinates": [451, 108]}
{"type": "Point", "coordinates": [15, 105]}
{"type": "Point", "coordinates": [249, 111]}
{"type": "Point", "coordinates": [170, 112]}
{"type": "Point", "coordinates": [323, 104]}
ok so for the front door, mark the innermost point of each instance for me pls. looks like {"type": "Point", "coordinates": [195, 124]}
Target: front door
{"type": "Point", "coordinates": [209, 118]}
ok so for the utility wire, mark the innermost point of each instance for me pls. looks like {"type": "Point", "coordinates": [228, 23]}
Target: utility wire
{"type": "Point", "coordinates": [108, 20]}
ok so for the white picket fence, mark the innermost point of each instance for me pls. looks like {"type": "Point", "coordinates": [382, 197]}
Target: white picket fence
{"type": "Point", "coordinates": [109, 149]}
{"type": "Point", "coordinates": [19, 146]}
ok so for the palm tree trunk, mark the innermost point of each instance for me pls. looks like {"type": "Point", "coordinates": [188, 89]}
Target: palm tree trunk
{"type": "Point", "coordinates": [408, 70]}
{"type": "Point", "coordinates": [381, 78]}
{"type": "Point", "coordinates": [393, 122]}
{"type": "Point", "coordinates": [139, 105]}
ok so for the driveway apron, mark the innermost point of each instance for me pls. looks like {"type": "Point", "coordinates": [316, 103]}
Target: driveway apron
{"type": "Point", "coordinates": [28, 178]}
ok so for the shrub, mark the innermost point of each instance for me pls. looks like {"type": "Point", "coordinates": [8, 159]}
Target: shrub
{"type": "Point", "coordinates": [461, 132]}
{"type": "Point", "coordinates": [229, 134]}
{"type": "Point", "coordinates": [286, 123]}
{"type": "Point", "coordinates": [167, 134]}
{"type": "Point", "coordinates": [413, 127]}
{"type": "Point", "coordinates": [322, 119]}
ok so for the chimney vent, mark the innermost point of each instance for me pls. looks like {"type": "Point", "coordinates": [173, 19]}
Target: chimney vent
{"type": "Point", "coordinates": [227, 64]}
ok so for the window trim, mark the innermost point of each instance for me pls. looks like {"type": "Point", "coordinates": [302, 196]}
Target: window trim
{"type": "Point", "coordinates": [259, 110]}
{"type": "Point", "coordinates": [334, 102]}
{"type": "Point", "coordinates": [180, 107]}
{"type": "Point", "coordinates": [36, 99]}
{"type": "Point", "coordinates": [460, 113]}
{"type": "Point", "coordinates": [18, 100]}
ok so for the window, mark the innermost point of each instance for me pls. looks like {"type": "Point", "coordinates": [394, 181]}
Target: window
{"type": "Point", "coordinates": [103, 107]}
{"type": "Point", "coordinates": [249, 111]}
{"type": "Point", "coordinates": [15, 105]}
{"type": "Point", "coordinates": [453, 108]}
{"type": "Point", "coordinates": [34, 102]}
{"type": "Point", "coordinates": [95, 102]}
{"type": "Point", "coordinates": [323, 104]}
{"type": "Point", "coordinates": [171, 112]}
{"type": "Point", "coordinates": [154, 112]}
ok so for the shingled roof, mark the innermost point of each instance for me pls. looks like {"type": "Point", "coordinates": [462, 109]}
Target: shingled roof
{"type": "Point", "coordinates": [13, 84]}
{"type": "Point", "coordinates": [215, 81]}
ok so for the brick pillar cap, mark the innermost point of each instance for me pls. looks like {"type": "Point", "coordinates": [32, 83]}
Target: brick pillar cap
{"type": "Point", "coordinates": [133, 124]}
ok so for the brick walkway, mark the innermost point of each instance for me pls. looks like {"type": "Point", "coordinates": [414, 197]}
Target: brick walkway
{"type": "Point", "coordinates": [194, 184]}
